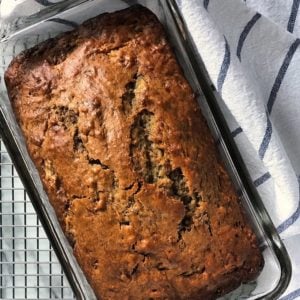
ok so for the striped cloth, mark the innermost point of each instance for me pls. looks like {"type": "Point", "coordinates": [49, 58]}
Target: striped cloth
{"type": "Point", "coordinates": [252, 53]}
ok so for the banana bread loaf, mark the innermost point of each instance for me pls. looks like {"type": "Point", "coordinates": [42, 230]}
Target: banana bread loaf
{"type": "Point", "coordinates": [128, 162]}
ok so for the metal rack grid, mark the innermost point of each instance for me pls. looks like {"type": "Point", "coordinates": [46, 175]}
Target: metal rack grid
{"type": "Point", "coordinates": [29, 268]}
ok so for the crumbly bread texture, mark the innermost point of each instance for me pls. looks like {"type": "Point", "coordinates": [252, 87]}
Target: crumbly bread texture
{"type": "Point", "coordinates": [128, 162]}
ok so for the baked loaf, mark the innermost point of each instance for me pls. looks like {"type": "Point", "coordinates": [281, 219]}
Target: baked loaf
{"type": "Point", "coordinates": [128, 162]}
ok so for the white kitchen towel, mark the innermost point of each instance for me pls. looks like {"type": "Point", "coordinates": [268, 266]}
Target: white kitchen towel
{"type": "Point", "coordinates": [12, 9]}
{"type": "Point", "coordinates": [251, 50]}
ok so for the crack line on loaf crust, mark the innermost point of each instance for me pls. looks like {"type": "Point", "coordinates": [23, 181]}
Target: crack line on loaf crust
{"type": "Point", "coordinates": [145, 156]}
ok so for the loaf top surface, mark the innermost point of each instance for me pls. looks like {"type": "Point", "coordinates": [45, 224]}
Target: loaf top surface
{"type": "Point", "coordinates": [128, 162]}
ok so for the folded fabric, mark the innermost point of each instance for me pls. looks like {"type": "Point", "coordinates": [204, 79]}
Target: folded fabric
{"type": "Point", "coordinates": [12, 9]}
{"type": "Point", "coordinates": [251, 51]}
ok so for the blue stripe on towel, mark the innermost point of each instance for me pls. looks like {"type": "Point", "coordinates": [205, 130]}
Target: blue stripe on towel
{"type": "Point", "coordinates": [205, 3]}
{"type": "Point", "coordinates": [236, 131]}
{"type": "Point", "coordinates": [245, 32]}
{"type": "Point", "coordinates": [292, 219]}
{"type": "Point", "coordinates": [266, 140]}
{"type": "Point", "coordinates": [64, 22]}
{"type": "Point", "coordinates": [293, 16]}
{"type": "Point", "coordinates": [44, 2]}
{"type": "Point", "coordinates": [291, 295]}
{"type": "Point", "coordinates": [262, 179]}
{"type": "Point", "coordinates": [224, 68]}
{"type": "Point", "coordinates": [273, 94]}
{"type": "Point", "coordinates": [281, 73]}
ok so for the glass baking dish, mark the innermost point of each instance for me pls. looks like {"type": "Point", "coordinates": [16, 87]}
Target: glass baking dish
{"type": "Point", "coordinates": [49, 22]}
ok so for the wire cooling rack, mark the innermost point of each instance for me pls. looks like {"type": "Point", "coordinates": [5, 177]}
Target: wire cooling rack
{"type": "Point", "coordinates": [29, 268]}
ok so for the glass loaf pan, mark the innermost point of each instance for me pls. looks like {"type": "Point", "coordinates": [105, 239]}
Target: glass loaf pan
{"type": "Point", "coordinates": [33, 29]}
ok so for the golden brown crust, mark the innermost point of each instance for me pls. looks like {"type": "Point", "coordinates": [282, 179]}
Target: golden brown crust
{"type": "Point", "coordinates": [129, 164]}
